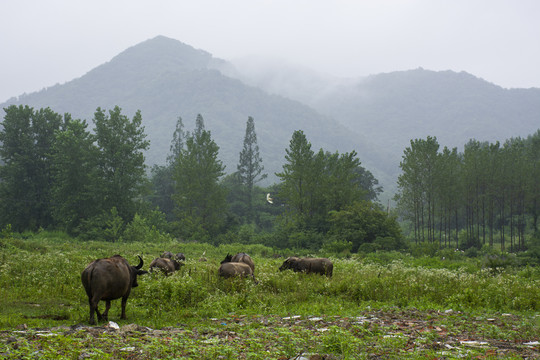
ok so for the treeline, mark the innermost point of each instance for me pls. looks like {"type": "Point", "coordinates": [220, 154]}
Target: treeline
{"type": "Point", "coordinates": [488, 194]}
{"type": "Point", "coordinates": [58, 174]}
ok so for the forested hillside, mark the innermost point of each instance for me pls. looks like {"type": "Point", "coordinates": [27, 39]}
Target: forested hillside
{"type": "Point", "coordinates": [395, 108]}
{"type": "Point", "coordinates": [376, 116]}
{"type": "Point", "coordinates": [165, 79]}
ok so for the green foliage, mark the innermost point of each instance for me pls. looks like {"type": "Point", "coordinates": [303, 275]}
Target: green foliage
{"type": "Point", "coordinates": [335, 246]}
{"type": "Point", "coordinates": [365, 223]}
{"type": "Point", "coordinates": [121, 143]}
{"type": "Point", "coordinates": [250, 166]}
{"type": "Point", "coordinates": [485, 195]}
{"type": "Point", "coordinates": [381, 302]}
{"type": "Point", "coordinates": [26, 138]}
{"type": "Point", "coordinates": [200, 201]}
{"type": "Point", "coordinates": [107, 226]}
{"type": "Point", "coordinates": [310, 240]}
{"type": "Point", "coordinates": [315, 184]}
{"type": "Point", "coordinates": [75, 172]}
{"type": "Point", "coordinates": [5, 234]}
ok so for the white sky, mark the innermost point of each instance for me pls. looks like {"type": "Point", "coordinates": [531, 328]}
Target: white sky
{"type": "Point", "coordinates": [44, 42]}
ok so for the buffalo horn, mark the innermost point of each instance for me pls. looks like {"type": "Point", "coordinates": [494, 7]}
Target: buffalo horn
{"type": "Point", "coordinates": [140, 263]}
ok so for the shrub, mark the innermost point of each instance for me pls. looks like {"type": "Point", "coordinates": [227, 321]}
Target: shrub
{"type": "Point", "coordinates": [337, 246]}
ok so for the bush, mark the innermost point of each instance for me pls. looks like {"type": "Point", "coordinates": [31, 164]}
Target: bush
{"type": "Point", "coordinates": [424, 249]}
{"type": "Point", "coordinates": [106, 226]}
{"type": "Point", "coordinates": [306, 240]}
{"type": "Point", "coordinates": [495, 262]}
{"type": "Point", "coordinates": [337, 246]}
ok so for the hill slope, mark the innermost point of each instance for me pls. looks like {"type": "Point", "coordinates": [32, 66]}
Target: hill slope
{"type": "Point", "coordinates": [377, 116]}
{"type": "Point", "coordinates": [393, 108]}
{"type": "Point", "coordinates": [455, 107]}
{"type": "Point", "coordinates": [165, 79]}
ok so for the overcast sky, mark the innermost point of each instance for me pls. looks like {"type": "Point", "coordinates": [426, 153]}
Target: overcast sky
{"type": "Point", "coordinates": [43, 43]}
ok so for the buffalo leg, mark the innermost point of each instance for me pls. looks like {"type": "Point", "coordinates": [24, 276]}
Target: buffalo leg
{"type": "Point", "coordinates": [124, 302]}
{"type": "Point", "coordinates": [105, 315]}
{"type": "Point", "coordinates": [93, 308]}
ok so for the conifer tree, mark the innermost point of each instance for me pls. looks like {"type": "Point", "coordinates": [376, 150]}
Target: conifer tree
{"type": "Point", "coordinates": [250, 166]}
{"type": "Point", "coordinates": [162, 175]}
{"type": "Point", "coordinates": [177, 142]}
{"type": "Point", "coordinates": [199, 199]}
{"type": "Point", "coordinates": [297, 177]}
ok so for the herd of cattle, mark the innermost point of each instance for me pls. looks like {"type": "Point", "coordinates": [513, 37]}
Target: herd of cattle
{"type": "Point", "coordinates": [112, 278]}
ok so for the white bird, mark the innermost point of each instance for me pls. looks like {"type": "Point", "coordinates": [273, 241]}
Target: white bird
{"type": "Point", "coordinates": [269, 199]}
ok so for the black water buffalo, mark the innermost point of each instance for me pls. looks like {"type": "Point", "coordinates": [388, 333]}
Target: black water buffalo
{"type": "Point", "coordinates": [168, 266]}
{"type": "Point", "coordinates": [109, 279]}
{"type": "Point", "coordinates": [321, 266]}
{"type": "Point", "coordinates": [167, 255]}
{"type": "Point", "coordinates": [230, 269]}
{"type": "Point", "coordinates": [170, 255]}
{"type": "Point", "coordinates": [240, 258]}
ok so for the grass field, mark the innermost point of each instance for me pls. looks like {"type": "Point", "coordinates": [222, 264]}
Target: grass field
{"type": "Point", "coordinates": [385, 305]}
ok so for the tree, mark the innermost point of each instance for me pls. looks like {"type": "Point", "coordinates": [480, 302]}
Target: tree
{"type": "Point", "coordinates": [199, 199]}
{"type": "Point", "coordinates": [177, 142]}
{"type": "Point", "coordinates": [77, 186]}
{"type": "Point", "coordinates": [250, 166]}
{"type": "Point", "coordinates": [533, 186]}
{"type": "Point", "coordinates": [162, 176]}
{"type": "Point", "coordinates": [316, 183]}
{"type": "Point", "coordinates": [121, 162]}
{"type": "Point", "coordinates": [416, 186]}
{"type": "Point", "coordinates": [365, 223]}
{"type": "Point", "coordinates": [27, 137]}
{"type": "Point", "coordinates": [297, 178]}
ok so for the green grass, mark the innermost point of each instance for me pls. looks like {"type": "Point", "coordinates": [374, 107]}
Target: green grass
{"type": "Point", "coordinates": [413, 307]}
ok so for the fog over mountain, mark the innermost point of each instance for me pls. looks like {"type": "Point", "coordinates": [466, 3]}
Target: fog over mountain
{"type": "Point", "coordinates": [165, 79]}
{"type": "Point", "coordinates": [376, 116]}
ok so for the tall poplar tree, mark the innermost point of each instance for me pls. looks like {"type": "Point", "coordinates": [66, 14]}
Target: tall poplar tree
{"type": "Point", "coordinates": [416, 186]}
{"type": "Point", "coordinates": [199, 199]}
{"type": "Point", "coordinates": [250, 166]}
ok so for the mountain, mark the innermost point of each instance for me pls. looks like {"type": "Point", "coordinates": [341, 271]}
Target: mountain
{"type": "Point", "coordinates": [394, 108]}
{"type": "Point", "coordinates": [454, 107]}
{"type": "Point", "coordinates": [165, 79]}
{"type": "Point", "coordinates": [376, 115]}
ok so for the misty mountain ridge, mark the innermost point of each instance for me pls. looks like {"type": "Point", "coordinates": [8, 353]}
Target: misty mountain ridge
{"type": "Point", "coordinates": [376, 115]}
{"type": "Point", "coordinates": [165, 79]}
{"type": "Point", "coordinates": [403, 105]}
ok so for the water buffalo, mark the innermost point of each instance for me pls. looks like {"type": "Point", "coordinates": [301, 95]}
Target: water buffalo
{"type": "Point", "coordinates": [321, 266]}
{"type": "Point", "coordinates": [240, 258]}
{"type": "Point", "coordinates": [109, 279]}
{"type": "Point", "coordinates": [170, 255]}
{"type": "Point", "coordinates": [230, 269]}
{"type": "Point", "coordinates": [167, 255]}
{"type": "Point", "coordinates": [168, 266]}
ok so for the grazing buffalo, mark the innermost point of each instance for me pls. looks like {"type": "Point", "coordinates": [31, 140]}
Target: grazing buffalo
{"type": "Point", "coordinates": [168, 266]}
{"type": "Point", "coordinates": [170, 255]}
{"type": "Point", "coordinates": [109, 279]}
{"type": "Point", "coordinates": [240, 258]}
{"type": "Point", "coordinates": [167, 255]}
{"type": "Point", "coordinates": [321, 266]}
{"type": "Point", "coordinates": [180, 257]}
{"type": "Point", "coordinates": [230, 269]}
